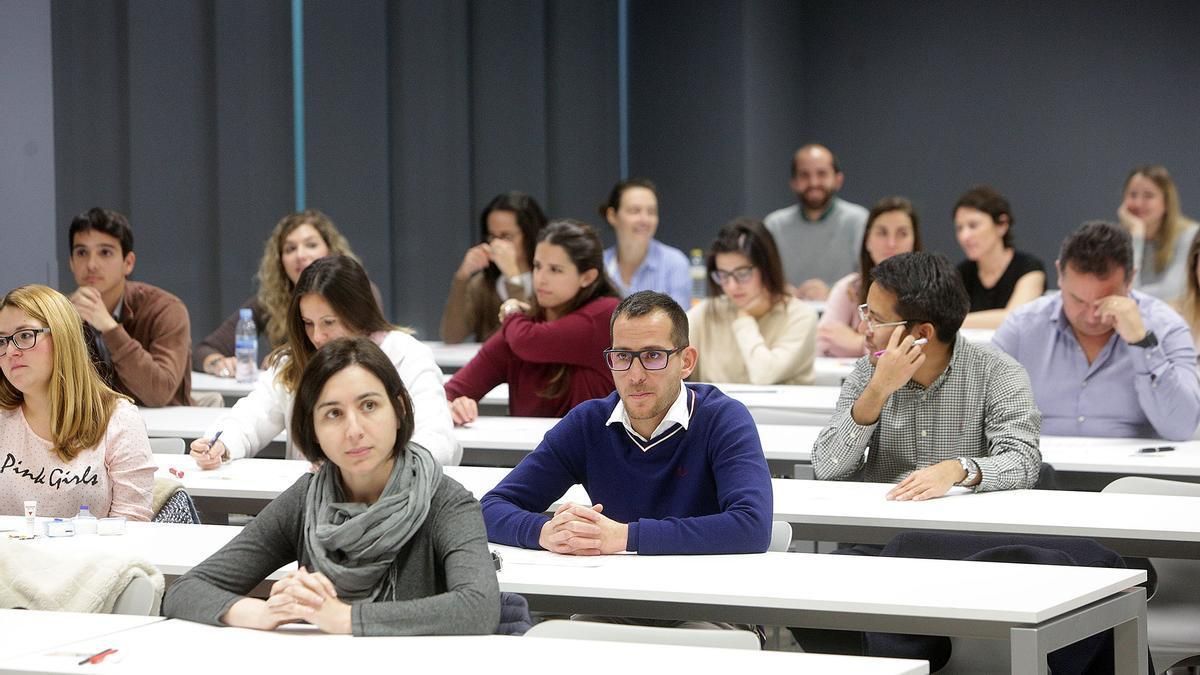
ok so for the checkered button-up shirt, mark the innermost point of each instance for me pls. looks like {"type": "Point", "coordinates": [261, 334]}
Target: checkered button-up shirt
{"type": "Point", "coordinates": [980, 407]}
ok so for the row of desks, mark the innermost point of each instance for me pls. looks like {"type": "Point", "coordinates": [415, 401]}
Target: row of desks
{"type": "Point", "coordinates": [1146, 525]}
{"type": "Point", "coordinates": [54, 642]}
{"type": "Point", "coordinates": [503, 441]}
{"type": "Point", "coordinates": [1035, 608]}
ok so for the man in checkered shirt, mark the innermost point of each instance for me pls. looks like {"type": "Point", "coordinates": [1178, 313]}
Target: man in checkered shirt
{"type": "Point", "coordinates": [935, 415]}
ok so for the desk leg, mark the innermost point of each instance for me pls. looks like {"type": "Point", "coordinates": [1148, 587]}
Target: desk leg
{"type": "Point", "coordinates": [1130, 644]}
{"type": "Point", "coordinates": [1028, 651]}
{"type": "Point", "coordinates": [1125, 613]}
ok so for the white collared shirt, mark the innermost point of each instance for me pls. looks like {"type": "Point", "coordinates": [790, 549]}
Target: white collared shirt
{"type": "Point", "coordinates": [679, 413]}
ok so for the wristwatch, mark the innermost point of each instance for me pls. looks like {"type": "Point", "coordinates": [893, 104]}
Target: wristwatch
{"type": "Point", "coordinates": [971, 468]}
{"type": "Point", "coordinates": [1151, 340]}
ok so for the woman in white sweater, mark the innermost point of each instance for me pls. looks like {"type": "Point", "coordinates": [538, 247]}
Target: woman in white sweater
{"type": "Point", "coordinates": [332, 299]}
{"type": "Point", "coordinates": [750, 329]}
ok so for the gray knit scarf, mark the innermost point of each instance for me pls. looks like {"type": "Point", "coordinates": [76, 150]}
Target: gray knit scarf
{"type": "Point", "coordinates": [355, 545]}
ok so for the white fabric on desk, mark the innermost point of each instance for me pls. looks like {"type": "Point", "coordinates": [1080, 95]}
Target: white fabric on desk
{"type": "Point", "coordinates": [34, 577]}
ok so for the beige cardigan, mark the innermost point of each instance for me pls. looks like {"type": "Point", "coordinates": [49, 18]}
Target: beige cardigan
{"type": "Point", "coordinates": [777, 348]}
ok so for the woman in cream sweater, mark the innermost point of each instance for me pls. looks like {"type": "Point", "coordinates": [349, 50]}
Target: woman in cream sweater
{"type": "Point", "coordinates": [750, 330]}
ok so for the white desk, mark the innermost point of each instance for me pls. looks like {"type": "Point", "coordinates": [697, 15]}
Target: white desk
{"type": "Point", "coordinates": [1037, 607]}
{"type": "Point", "coordinates": [505, 441]}
{"type": "Point", "coordinates": [172, 548]}
{"type": "Point", "coordinates": [31, 632]}
{"type": "Point", "coordinates": [452, 357]}
{"type": "Point", "coordinates": [1147, 525]}
{"type": "Point", "coordinates": [229, 388]}
{"type": "Point", "coordinates": [186, 422]}
{"type": "Point", "coordinates": [147, 651]}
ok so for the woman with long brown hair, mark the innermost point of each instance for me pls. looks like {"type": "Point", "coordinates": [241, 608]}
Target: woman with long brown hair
{"type": "Point", "coordinates": [332, 299]}
{"type": "Point", "coordinates": [550, 352]}
{"type": "Point", "coordinates": [892, 227]}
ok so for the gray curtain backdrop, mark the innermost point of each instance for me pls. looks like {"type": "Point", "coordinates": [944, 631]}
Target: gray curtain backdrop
{"type": "Point", "coordinates": [418, 112]}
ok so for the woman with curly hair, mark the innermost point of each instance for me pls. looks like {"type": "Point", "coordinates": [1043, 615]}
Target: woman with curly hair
{"type": "Point", "coordinates": [297, 240]}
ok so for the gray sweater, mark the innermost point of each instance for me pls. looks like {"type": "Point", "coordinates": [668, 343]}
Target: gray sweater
{"type": "Point", "coordinates": [448, 582]}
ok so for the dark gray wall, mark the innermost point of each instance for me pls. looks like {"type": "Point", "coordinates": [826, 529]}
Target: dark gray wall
{"type": "Point", "coordinates": [26, 145]}
{"type": "Point", "coordinates": [418, 112]}
{"type": "Point", "coordinates": [1051, 103]}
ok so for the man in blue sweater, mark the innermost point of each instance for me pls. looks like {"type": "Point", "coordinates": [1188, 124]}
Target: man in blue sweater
{"type": "Point", "coordinates": [670, 468]}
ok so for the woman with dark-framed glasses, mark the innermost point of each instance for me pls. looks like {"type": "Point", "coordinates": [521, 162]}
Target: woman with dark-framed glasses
{"type": "Point", "coordinates": [750, 330]}
{"type": "Point", "coordinates": [68, 439]}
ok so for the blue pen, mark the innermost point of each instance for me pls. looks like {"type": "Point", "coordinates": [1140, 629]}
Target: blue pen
{"type": "Point", "coordinates": [215, 438]}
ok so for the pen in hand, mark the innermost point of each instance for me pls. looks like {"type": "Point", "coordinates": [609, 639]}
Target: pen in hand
{"type": "Point", "coordinates": [918, 341]}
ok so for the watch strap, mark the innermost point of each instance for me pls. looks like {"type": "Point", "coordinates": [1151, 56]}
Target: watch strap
{"type": "Point", "coordinates": [1150, 340]}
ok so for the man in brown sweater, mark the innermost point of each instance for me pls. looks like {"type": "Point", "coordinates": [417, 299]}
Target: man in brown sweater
{"type": "Point", "coordinates": [144, 334]}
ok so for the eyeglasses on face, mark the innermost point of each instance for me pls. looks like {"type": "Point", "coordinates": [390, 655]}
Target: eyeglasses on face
{"type": "Point", "coordinates": [23, 339]}
{"type": "Point", "coordinates": [506, 236]}
{"type": "Point", "coordinates": [740, 275]}
{"type": "Point", "coordinates": [872, 325]}
{"type": "Point", "coordinates": [651, 359]}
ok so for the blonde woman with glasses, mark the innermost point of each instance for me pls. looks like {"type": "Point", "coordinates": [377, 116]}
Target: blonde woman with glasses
{"type": "Point", "coordinates": [69, 440]}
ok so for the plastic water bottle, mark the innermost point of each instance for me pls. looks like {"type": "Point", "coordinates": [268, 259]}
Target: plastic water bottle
{"type": "Point", "coordinates": [246, 347]}
{"type": "Point", "coordinates": [699, 273]}
{"type": "Point", "coordinates": [85, 522]}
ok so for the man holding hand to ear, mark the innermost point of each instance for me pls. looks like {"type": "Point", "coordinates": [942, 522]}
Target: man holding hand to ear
{"type": "Point", "coordinates": [670, 468]}
{"type": "Point", "coordinates": [933, 415]}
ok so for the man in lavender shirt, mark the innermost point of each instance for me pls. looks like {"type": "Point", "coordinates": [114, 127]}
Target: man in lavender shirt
{"type": "Point", "coordinates": [1105, 360]}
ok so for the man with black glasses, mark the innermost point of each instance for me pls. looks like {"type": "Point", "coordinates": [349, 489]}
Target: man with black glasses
{"type": "Point", "coordinates": [670, 468]}
{"type": "Point", "coordinates": [935, 410]}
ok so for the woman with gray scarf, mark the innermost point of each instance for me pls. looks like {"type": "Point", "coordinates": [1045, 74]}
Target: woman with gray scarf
{"type": "Point", "coordinates": [387, 545]}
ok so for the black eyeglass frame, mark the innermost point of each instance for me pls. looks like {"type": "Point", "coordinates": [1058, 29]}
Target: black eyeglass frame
{"type": "Point", "coordinates": [5, 340]}
{"type": "Point", "coordinates": [638, 356]}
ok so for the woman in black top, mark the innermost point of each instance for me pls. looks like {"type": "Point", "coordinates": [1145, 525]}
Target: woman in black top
{"type": "Point", "coordinates": [998, 277]}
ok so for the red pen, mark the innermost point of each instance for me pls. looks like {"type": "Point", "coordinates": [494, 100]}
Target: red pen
{"type": "Point", "coordinates": [97, 657]}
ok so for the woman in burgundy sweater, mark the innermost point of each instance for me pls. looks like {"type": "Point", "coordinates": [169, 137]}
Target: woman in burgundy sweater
{"type": "Point", "coordinates": [550, 353]}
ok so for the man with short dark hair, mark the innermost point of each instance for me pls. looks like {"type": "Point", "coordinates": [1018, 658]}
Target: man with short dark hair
{"type": "Point", "coordinates": [935, 414]}
{"type": "Point", "coordinates": [1105, 360]}
{"type": "Point", "coordinates": [143, 332]}
{"type": "Point", "coordinates": [819, 236]}
{"type": "Point", "coordinates": [669, 467]}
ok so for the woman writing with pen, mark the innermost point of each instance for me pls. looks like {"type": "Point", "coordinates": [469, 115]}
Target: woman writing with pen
{"type": "Point", "coordinates": [386, 544]}
{"type": "Point", "coordinates": [332, 299]}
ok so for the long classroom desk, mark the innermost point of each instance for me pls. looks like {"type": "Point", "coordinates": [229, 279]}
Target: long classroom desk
{"type": "Point", "coordinates": [1146, 525]}
{"type": "Point", "coordinates": [1082, 463]}
{"type": "Point", "coordinates": [1036, 608]}
{"type": "Point", "coordinates": [145, 648]}
{"type": "Point", "coordinates": [502, 441]}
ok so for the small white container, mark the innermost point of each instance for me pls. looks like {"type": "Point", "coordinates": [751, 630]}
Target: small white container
{"type": "Point", "coordinates": [60, 528]}
{"type": "Point", "coordinates": [111, 526]}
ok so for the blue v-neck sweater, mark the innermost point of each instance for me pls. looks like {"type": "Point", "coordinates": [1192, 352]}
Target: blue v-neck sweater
{"type": "Point", "coordinates": [705, 489]}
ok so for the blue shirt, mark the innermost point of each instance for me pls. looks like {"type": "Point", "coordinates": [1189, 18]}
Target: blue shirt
{"type": "Point", "coordinates": [703, 489]}
{"type": "Point", "coordinates": [664, 269]}
{"type": "Point", "coordinates": [1127, 392]}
